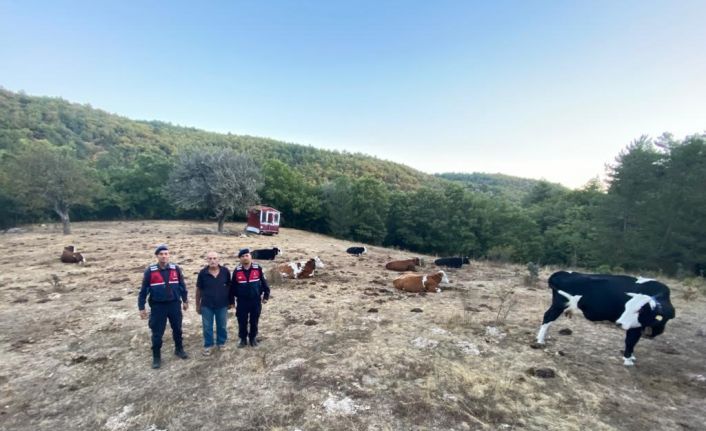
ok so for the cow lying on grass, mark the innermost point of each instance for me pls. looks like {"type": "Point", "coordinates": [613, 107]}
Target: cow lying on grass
{"type": "Point", "coordinates": [451, 262]}
{"type": "Point", "coordinates": [69, 255]}
{"type": "Point", "coordinates": [356, 251]}
{"type": "Point", "coordinates": [420, 282]}
{"type": "Point", "coordinates": [266, 253]}
{"type": "Point", "coordinates": [403, 265]}
{"type": "Point", "coordinates": [300, 269]}
{"type": "Point", "coordinates": [639, 305]}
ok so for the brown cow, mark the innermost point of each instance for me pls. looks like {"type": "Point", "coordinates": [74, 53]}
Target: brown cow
{"type": "Point", "coordinates": [69, 255]}
{"type": "Point", "coordinates": [403, 265]}
{"type": "Point", "coordinates": [299, 269]}
{"type": "Point", "coordinates": [420, 282]}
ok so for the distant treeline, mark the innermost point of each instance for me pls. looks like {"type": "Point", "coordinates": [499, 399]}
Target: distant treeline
{"type": "Point", "coordinates": [650, 215]}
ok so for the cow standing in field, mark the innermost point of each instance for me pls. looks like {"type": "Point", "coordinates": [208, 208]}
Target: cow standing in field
{"type": "Point", "coordinates": [420, 282]}
{"type": "Point", "coordinates": [298, 270]}
{"type": "Point", "coordinates": [356, 251]}
{"type": "Point", "coordinates": [404, 265]}
{"type": "Point", "coordinates": [640, 306]}
{"type": "Point", "coordinates": [70, 255]}
{"type": "Point", "coordinates": [452, 262]}
{"type": "Point", "coordinates": [266, 253]}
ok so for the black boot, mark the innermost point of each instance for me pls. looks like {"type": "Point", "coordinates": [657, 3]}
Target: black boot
{"type": "Point", "coordinates": [179, 351]}
{"type": "Point", "coordinates": [253, 342]}
{"type": "Point", "coordinates": [242, 343]}
{"type": "Point", "coordinates": [156, 360]}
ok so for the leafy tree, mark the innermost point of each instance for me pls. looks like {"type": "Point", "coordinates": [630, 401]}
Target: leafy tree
{"type": "Point", "coordinates": [289, 192]}
{"type": "Point", "coordinates": [419, 221]}
{"type": "Point", "coordinates": [337, 199]}
{"type": "Point", "coordinates": [507, 232]}
{"type": "Point", "coordinates": [137, 189]}
{"type": "Point", "coordinates": [459, 224]}
{"type": "Point", "coordinates": [633, 203]}
{"type": "Point", "coordinates": [370, 207]}
{"type": "Point", "coordinates": [45, 177]}
{"type": "Point", "coordinates": [682, 204]}
{"type": "Point", "coordinates": [214, 179]}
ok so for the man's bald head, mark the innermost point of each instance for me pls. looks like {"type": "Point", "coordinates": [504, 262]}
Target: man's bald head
{"type": "Point", "coordinates": [212, 259]}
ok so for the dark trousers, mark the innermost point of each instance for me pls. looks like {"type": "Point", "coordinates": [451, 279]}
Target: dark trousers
{"type": "Point", "coordinates": [248, 310]}
{"type": "Point", "coordinates": [160, 312]}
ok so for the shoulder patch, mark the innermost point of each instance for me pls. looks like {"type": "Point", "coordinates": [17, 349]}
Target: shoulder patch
{"type": "Point", "coordinates": [172, 266]}
{"type": "Point", "coordinates": [153, 267]}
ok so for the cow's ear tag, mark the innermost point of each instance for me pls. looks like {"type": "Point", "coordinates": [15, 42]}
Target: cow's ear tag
{"type": "Point", "coordinates": [658, 317]}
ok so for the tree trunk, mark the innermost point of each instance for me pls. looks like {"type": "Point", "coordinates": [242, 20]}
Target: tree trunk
{"type": "Point", "coordinates": [665, 237]}
{"type": "Point", "coordinates": [64, 216]}
{"type": "Point", "coordinates": [221, 221]}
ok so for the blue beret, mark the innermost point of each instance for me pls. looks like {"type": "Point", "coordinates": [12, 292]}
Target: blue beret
{"type": "Point", "coordinates": [243, 251]}
{"type": "Point", "coordinates": [160, 248]}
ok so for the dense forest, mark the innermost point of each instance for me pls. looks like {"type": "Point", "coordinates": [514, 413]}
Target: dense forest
{"type": "Point", "coordinates": [502, 186]}
{"type": "Point", "coordinates": [75, 162]}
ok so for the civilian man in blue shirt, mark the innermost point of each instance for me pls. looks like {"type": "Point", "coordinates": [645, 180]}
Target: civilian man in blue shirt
{"type": "Point", "coordinates": [164, 284]}
{"type": "Point", "coordinates": [212, 287]}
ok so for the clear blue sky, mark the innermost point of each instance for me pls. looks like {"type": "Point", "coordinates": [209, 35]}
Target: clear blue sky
{"type": "Point", "coordinates": [536, 89]}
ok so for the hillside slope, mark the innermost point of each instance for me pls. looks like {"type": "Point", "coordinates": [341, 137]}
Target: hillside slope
{"type": "Point", "coordinates": [340, 351]}
{"type": "Point", "coordinates": [514, 189]}
{"type": "Point", "coordinates": [94, 133]}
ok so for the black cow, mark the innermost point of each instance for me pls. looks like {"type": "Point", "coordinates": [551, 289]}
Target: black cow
{"type": "Point", "coordinates": [640, 306]}
{"type": "Point", "coordinates": [451, 262]}
{"type": "Point", "coordinates": [356, 251]}
{"type": "Point", "coordinates": [700, 269]}
{"type": "Point", "coordinates": [265, 253]}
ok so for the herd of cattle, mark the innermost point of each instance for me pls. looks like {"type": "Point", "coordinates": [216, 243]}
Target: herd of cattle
{"type": "Point", "coordinates": [640, 306]}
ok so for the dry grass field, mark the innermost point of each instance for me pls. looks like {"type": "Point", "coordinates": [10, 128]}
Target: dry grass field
{"type": "Point", "coordinates": [340, 351]}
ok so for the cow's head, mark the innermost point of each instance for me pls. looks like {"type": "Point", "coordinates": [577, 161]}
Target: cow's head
{"type": "Point", "coordinates": [440, 277]}
{"type": "Point", "coordinates": [465, 259]}
{"type": "Point", "coordinates": [318, 262]}
{"type": "Point", "coordinates": [654, 321]}
{"type": "Point", "coordinates": [646, 312]}
{"type": "Point", "coordinates": [277, 251]}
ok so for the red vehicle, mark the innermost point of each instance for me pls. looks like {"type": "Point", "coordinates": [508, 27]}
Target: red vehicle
{"type": "Point", "coordinates": [263, 220]}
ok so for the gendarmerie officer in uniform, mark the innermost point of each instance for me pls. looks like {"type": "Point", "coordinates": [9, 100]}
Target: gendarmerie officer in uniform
{"type": "Point", "coordinates": [164, 289]}
{"type": "Point", "coordinates": [250, 289]}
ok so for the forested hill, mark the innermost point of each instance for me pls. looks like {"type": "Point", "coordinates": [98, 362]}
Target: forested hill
{"type": "Point", "coordinates": [514, 189]}
{"type": "Point", "coordinates": [96, 134]}
{"type": "Point", "coordinates": [77, 162]}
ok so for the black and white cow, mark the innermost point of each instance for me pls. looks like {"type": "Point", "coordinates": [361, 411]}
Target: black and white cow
{"type": "Point", "coordinates": [266, 253]}
{"type": "Point", "coordinates": [451, 262]}
{"type": "Point", "coordinates": [356, 251]}
{"type": "Point", "coordinates": [640, 306]}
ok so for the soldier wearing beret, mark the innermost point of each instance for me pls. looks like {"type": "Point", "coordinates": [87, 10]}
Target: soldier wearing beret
{"type": "Point", "coordinates": [164, 289]}
{"type": "Point", "coordinates": [250, 289]}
